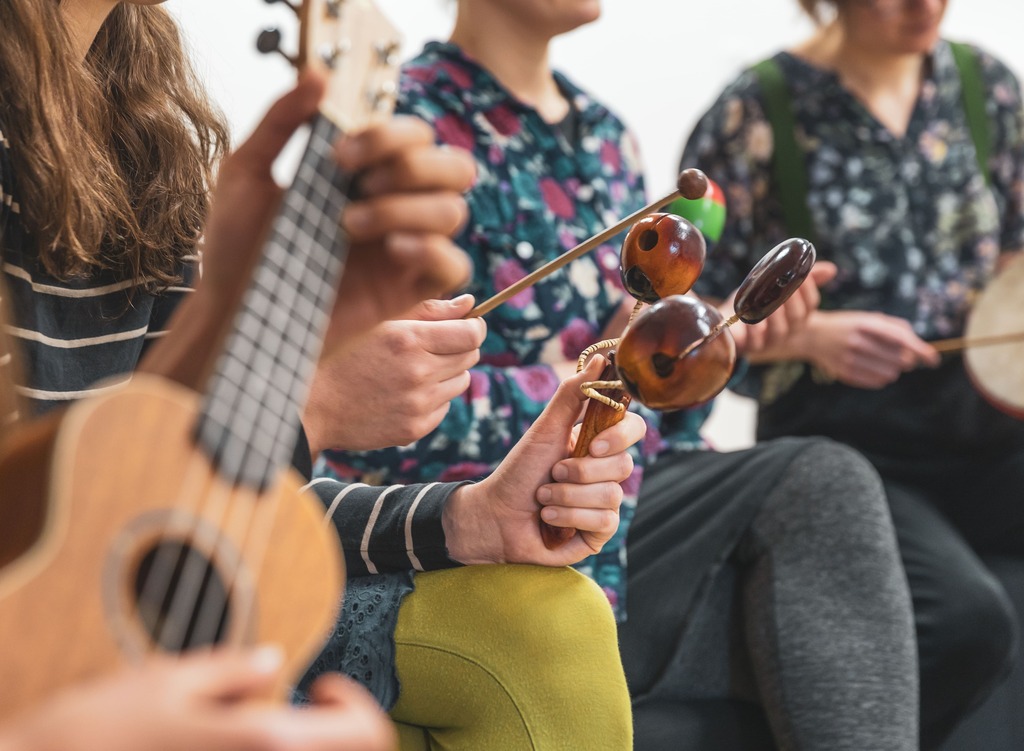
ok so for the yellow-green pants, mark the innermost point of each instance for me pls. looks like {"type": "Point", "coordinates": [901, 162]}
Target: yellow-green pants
{"type": "Point", "coordinates": [503, 658]}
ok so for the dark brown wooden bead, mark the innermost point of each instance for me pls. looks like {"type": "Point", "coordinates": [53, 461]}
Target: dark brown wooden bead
{"type": "Point", "coordinates": [648, 356]}
{"type": "Point", "coordinates": [662, 255]}
{"type": "Point", "coordinates": [773, 279]}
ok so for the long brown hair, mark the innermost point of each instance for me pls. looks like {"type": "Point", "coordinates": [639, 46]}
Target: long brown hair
{"type": "Point", "coordinates": [114, 156]}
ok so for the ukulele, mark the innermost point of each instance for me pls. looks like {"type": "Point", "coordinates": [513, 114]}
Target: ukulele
{"type": "Point", "coordinates": [155, 519]}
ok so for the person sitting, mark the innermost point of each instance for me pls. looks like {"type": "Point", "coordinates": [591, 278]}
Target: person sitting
{"type": "Point", "coordinates": [108, 282]}
{"type": "Point", "coordinates": [780, 558]}
{"type": "Point", "coordinates": [899, 196]}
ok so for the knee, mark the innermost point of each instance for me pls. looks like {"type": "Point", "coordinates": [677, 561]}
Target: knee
{"type": "Point", "coordinates": [967, 644]}
{"type": "Point", "coordinates": [832, 494]}
{"type": "Point", "coordinates": [536, 608]}
{"type": "Point", "coordinates": [527, 636]}
{"type": "Point", "coordinates": [969, 637]}
{"type": "Point", "coordinates": [546, 602]}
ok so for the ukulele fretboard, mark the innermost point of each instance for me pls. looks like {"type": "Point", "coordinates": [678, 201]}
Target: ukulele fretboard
{"type": "Point", "coordinates": [250, 417]}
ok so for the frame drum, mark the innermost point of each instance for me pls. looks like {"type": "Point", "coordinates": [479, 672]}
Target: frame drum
{"type": "Point", "coordinates": [998, 370]}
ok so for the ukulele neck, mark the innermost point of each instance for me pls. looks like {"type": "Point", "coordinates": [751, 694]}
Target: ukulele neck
{"type": "Point", "coordinates": [250, 416]}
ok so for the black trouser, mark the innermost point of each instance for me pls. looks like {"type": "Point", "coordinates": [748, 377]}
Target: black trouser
{"type": "Point", "coordinates": [953, 468]}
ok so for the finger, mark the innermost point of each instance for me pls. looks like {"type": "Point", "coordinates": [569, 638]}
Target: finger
{"type": "Point", "coordinates": [873, 374]}
{"type": "Point", "coordinates": [454, 337]}
{"type": "Point", "coordinates": [342, 718]}
{"type": "Point", "coordinates": [281, 121]}
{"type": "Point", "coordinates": [592, 470]}
{"type": "Point", "coordinates": [567, 403]}
{"type": "Point", "coordinates": [438, 395]}
{"type": "Point", "coordinates": [381, 142]}
{"type": "Point", "coordinates": [372, 219]}
{"type": "Point", "coordinates": [455, 385]}
{"type": "Point", "coordinates": [414, 267]}
{"type": "Point", "coordinates": [619, 437]}
{"type": "Point", "coordinates": [823, 272]}
{"type": "Point", "coordinates": [794, 313]}
{"type": "Point", "coordinates": [931, 356]}
{"type": "Point", "coordinates": [810, 295]}
{"type": "Point", "coordinates": [426, 168]}
{"type": "Point", "coordinates": [230, 674]}
{"type": "Point", "coordinates": [601, 521]}
{"type": "Point", "coordinates": [752, 338]}
{"type": "Point", "coordinates": [776, 327]}
{"type": "Point", "coordinates": [922, 352]}
{"type": "Point", "coordinates": [442, 310]}
{"type": "Point", "coordinates": [906, 348]}
{"type": "Point", "coordinates": [334, 690]}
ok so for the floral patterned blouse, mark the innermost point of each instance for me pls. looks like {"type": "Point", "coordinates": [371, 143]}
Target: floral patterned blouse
{"type": "Point", "coordinates": [541, 189]}
{"type": "Point", "coordinates": [910, 221]}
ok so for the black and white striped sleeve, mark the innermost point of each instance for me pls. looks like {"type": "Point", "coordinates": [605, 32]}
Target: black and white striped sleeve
{"type": "Point", "coordinates": [396, 528]}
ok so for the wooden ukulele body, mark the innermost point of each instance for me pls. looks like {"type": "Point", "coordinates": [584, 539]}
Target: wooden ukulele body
{"type": "Point", "coordinates": [124, 475]}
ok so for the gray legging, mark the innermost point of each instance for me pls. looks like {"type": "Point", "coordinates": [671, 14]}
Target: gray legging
{"type": "Point", "coordinates": [806, 610]}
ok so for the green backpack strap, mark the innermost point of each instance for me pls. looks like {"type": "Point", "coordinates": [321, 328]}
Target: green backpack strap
{"type": "Point", "coordinates": [972, 89]}
{"type": "Point", "coordinates": [788, 165]}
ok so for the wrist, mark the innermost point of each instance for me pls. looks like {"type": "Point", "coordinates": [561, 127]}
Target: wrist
{"type": "Point", "coordinates": [465, 534]}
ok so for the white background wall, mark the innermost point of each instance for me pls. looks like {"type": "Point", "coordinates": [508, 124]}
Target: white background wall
{"type": "Point", "coordinates": [658, 63]}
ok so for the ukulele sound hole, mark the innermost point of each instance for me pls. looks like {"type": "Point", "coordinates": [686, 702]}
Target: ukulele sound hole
{"type": "Point", "coordinates": [181, 597]}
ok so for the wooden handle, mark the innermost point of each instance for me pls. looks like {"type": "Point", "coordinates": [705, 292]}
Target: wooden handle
{"type": "Point", "coordinates": [962, 343]}
{"type": "Point", "coordinates": [597, 418]}
{"type": "Point", "coordinates": [570, 255]}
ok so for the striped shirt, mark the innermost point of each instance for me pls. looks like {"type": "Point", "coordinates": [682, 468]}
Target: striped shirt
{"type": "Point", "coordinates": [78, 337]}
{"type": "Point", "coordinates": [74, 336]}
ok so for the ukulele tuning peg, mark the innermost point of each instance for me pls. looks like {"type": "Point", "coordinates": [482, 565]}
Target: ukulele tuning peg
{"type": "Point", "coordinates": [295, 8]}
{"type": "Point", "coordinates": [332, 7]}
{"type": "Point", "coordinates": [384, 97]}
{"type": "Point", "coordinates": [269, 41]}
{"type": "Point", "coordinates": [387, 53]}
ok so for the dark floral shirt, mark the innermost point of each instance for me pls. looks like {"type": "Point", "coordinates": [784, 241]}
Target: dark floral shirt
{"type": "Point", "coordinates": [539, 192]}
{"type": "Point", "coordinates": [910, 221]}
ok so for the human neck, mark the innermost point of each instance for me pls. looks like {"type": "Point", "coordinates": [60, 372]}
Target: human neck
{"type": "Point", "coordinates": [84, 19]}
{"type": "Point", "coordinates": [887, 84]}
{"type": "Point", "coordinates": [867, 70]}
{"type": "Point", "coordinates": [518, 56]}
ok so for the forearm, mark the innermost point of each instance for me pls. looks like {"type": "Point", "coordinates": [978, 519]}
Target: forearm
{"type": "Point", "coordinates": [384, 529]}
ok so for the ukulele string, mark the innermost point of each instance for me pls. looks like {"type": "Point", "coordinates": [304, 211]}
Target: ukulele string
{"type": "Point", "coordinates": [256, 553]}
{"type": "Point", "coordinates": [263, 511]}
{"type": "Point", "coordinates": [159, 579]}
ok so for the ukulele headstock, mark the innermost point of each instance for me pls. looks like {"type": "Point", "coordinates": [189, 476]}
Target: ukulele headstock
{"type": "Point", "coordinates": [357, 48]}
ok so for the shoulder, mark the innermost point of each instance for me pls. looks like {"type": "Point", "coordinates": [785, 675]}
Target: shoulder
{"type": "Point", "coordinates": [1001, 83]}
{"type": "Point", "coordinates": [742, 99]}
{"type": "Point", "coordinates": [438, 79]}
{"type": "Point", "coordinates": [737, 109]}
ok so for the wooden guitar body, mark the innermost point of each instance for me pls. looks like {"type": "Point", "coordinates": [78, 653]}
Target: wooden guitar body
{"type": "Point", "coordinates": [125, 478]}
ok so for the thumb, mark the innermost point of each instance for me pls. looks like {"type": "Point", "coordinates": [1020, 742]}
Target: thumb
{"type": "Point", "coordinates": [289, 112]}
{"type": "Point", "coordinates": [441, 310]}
{"type": "Point", "coordinates": [565, 406]}
{"type": "Point", "coordinates": [823, 272]}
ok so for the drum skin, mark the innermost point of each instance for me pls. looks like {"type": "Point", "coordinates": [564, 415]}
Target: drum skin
{"type": "Point", "coordinates": [997, 371]}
